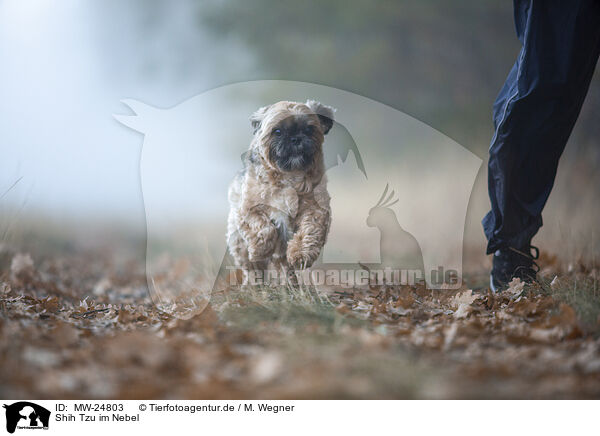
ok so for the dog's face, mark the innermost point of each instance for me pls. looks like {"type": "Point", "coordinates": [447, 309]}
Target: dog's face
{"type": "Point", "coordinates": [290, 135]}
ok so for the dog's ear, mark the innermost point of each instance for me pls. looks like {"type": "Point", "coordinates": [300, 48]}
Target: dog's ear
{"type": "Point", "coordinates": [325, 114]}
{"type": "Point", "coordinates": [257, 117]}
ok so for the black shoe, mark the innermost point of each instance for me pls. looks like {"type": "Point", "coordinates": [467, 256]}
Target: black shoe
{"type": "Point", "coordinates": [510, 263]}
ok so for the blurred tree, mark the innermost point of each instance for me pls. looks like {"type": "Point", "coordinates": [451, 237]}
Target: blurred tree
{"type": "Point", "coordinates": [442, 62]}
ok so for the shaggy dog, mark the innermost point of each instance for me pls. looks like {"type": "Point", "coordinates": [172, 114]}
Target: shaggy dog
{"type": "Point", "coordinates": [279, 206]}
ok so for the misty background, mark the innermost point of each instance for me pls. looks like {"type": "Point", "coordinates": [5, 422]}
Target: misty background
{"type": "Point", "coordinates": [66, 163]}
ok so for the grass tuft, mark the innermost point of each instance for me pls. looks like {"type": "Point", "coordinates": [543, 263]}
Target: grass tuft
{"type": "Point", "coordinates": [580, 291]}
{"type": "Point", "coordinates": [287, 305]}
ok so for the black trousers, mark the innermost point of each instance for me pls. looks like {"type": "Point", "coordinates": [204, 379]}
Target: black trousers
{"type": "Point", "coordinates": [535, 112]}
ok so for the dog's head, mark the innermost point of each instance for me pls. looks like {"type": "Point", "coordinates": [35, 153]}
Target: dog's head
{"type": "Point", "coordinates": [289, 135]}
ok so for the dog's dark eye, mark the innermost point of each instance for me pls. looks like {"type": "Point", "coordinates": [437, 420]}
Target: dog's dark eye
{"type": "Point", "coordinates": [277, 132]}
{"type": "Point", "coordinates": [309, 129]}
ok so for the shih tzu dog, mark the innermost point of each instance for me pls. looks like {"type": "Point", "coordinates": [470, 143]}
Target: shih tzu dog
{"type": "Point", "coordinates": [279, 206]}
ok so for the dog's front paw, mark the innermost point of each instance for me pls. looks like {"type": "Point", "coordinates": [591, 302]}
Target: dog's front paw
{"type": "Point", "coordinates": [262, 245]}
{"type": "Point", "coordinates": [300, 256]}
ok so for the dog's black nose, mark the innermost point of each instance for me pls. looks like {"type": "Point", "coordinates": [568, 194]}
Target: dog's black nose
{"type": "Point", "coordinates": [295, 140]}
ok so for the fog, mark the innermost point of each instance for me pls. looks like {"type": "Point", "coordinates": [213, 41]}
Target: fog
{"type": "Point", "coordinates": [66, 66]}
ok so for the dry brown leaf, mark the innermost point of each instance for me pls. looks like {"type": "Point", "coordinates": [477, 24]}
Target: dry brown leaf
{"type": "Point", "coordinates": [463, 311]}
{"type": "Point", "coordinates": [515, 287]}
{"type": "Point", "coordinates": [546, 335]}
{"type": "Point", "coordinates": [466, 297]}
{"type": "Point", "coordinates": [266, 366]}
{"type": "Point", "coordinates": [566, 317]}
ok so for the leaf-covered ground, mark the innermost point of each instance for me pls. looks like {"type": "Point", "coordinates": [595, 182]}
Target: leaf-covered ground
{"type": "Point", "coordinates": [82, 325]}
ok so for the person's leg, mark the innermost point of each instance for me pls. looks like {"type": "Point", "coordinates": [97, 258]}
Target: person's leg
{"type": "Point", "coordinates": [535, 112]}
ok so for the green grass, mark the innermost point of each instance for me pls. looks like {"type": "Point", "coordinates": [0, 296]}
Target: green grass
{"type": "Point", "coordinates": [286, 305]}
{"type": "Point", "coordinates": [582, 292]}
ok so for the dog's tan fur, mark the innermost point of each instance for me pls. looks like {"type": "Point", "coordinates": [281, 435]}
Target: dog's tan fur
{"type": "Point", "coordinates": [280, 217]}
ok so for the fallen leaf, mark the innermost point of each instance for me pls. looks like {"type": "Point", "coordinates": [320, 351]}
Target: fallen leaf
{"type": "Point", "coordinates": [515, 287]}
{"type": "Point", "coordinates": [466, 297]}
{"type": "Point", "coordinates": [546, 335]}
{"type": "Point", "coordinates": [266, 366]}
{"type": "Point", "coordinates": [463, 311]}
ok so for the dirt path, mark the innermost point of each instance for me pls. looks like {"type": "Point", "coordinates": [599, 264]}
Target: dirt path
{"type": "Point", "coordinates": [83, 326]}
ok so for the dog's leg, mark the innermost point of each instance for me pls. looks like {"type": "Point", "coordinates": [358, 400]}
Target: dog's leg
{"type": "Point", "coordinates": [259, 233]}
{"type": "Point", "coordinates": [309, 238]}
{"type": "Point", "coordinates": [253, 272]}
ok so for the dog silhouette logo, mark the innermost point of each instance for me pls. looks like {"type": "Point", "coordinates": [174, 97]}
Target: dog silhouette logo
{"type": "Point", "coordinates": [26, 415]}
{"type": "Point", "coordinates": [191, 151]}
